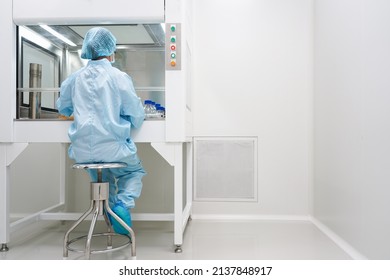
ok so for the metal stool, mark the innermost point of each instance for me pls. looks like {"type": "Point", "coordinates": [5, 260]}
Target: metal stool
{"type": "Point", "coordinates": [99, 207]}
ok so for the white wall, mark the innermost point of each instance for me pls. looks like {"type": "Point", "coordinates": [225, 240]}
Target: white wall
{"type": "Point", "coordinates": [253, 77]}
{"type": "Point", "coordinates": [34, 179]}
{"type": "Point", "coordinates": [352, 122]}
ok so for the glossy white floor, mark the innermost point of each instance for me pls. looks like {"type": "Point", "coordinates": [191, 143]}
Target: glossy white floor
{"type": "Point", "coordinates": [203, 240]}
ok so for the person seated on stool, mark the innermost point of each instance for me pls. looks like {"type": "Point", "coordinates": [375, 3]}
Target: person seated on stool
{"type": "Point", "coordinates": [105, 107]}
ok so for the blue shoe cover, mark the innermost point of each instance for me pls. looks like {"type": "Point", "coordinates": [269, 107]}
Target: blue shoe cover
{"type": "Point", "coordinates": [122, 212]}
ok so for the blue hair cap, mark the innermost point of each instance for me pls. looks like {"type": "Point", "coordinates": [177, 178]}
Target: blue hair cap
{"type": "Point", "coordinates": [98, 42]}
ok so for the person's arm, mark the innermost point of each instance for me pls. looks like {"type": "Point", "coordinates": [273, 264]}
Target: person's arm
{"type": "Point", "coordinates": [132, 109]}
{"type": "Point", "coordinates": [64, 102]}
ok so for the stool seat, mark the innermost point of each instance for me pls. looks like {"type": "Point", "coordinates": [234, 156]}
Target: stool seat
{"type": "Point", "coordinates": [99, 165]}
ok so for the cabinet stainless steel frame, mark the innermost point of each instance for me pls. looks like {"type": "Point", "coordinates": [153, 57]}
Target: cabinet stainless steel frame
{"type": "Point", "coordinates": [172, 137]}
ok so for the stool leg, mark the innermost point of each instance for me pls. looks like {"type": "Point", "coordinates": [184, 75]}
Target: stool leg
{"type": "Point", "coordinates": [66, 237]}
{"type": "Point", "coordinates": [109, 230]}
{"type": "Point", "coordinates": [91, 228]}
{"type": "Point", "coordinates": [129, 229]}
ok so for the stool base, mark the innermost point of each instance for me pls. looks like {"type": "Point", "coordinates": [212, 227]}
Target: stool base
{"type": "Point", "coordinates": [99, 206]}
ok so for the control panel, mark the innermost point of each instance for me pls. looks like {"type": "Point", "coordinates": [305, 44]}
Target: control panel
{"type": "Point", "coordinates": [172, 46]}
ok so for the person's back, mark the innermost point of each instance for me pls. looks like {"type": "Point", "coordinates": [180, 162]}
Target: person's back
{"type": "Point", "coordinates": [105, 106]}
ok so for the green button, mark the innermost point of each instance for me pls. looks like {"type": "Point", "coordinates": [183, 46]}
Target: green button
{"type": "Point", "coordinates": [173, 39]}
{"type": "Point", "coordinates": [173, 28]}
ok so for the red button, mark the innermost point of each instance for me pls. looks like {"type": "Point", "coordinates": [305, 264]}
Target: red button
{"type": "Point", "coordinates": [173, 47]}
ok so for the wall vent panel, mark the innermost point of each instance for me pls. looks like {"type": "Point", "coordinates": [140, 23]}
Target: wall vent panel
{"type": "Point", "coordinates": [225, 169]}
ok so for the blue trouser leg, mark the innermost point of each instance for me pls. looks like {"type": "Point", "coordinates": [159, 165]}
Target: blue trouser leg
{"type": "Point", "coordinates": [129, 181]}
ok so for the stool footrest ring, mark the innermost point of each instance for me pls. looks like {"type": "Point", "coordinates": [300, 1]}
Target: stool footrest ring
{"type": "Point", "coordinates": [124, 244]}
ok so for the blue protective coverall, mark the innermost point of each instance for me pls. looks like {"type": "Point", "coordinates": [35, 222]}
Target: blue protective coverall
{"type": "Point", "coordinates": [105, 107]}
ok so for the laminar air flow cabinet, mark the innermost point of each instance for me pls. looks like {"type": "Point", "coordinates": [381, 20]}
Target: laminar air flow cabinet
{"type": "Point", "coordinates": [153, 47]}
